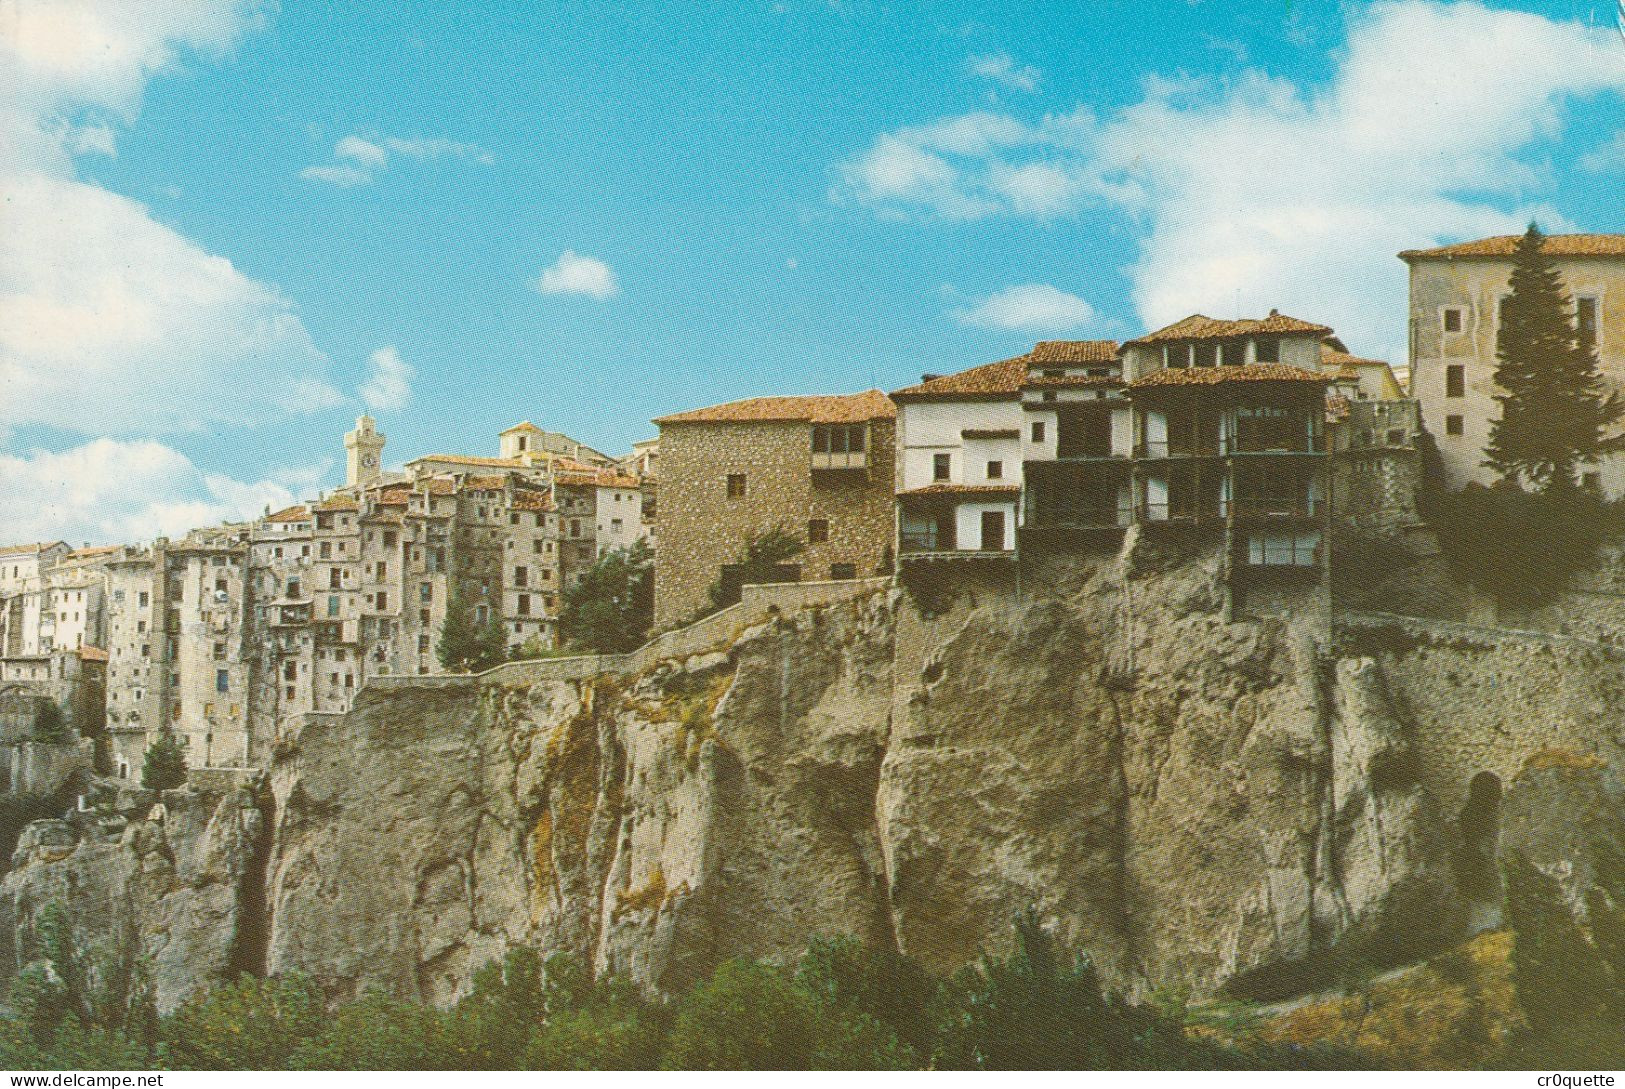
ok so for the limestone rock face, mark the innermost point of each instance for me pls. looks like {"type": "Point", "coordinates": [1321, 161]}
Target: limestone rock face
{"type": "Point", "coordinates": [162, 897]}
{"type": "Point", "coordinates": [1201, 791]}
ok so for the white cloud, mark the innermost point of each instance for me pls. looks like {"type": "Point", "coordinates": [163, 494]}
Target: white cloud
{"type": "Point", "coordinates": [109, 320]}
{"type": "Point", "coordinates": [1034, 308]}
{"type": "Point", "coordinates": [342, 175]}
{"type": "Point", "coordinates": [109, 491]}
{"type": "Point", "coordinates": [577, 274]}
{"type": "Point", "coordinates": [1260, 190]}
{"type": "Point", "coordinates": [389, 381]}
{"type": "Point", "coordinates": [366, 156]}
{"type": "Point", "coordinates": [1608, 156]}
{"type": "Point", "coordinates": [1001, 69]}
{"type": "Point", "coordinates": [362, 151]}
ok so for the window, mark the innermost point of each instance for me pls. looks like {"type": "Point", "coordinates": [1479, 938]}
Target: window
{"type": "Point", "coordinates": [575, 523]}
{"type": "Point", "coordinates": [1049, 395]}
{"type": "Point", "coordinates": [995, 470]}
{"type": "Point", "coordinates": [142, 599]}
{"type": "Point", "coordinates": [389, 538]}
{"type": "Point", "coordinates": [293, 588]}
{"type": "Point", "coordinates": [1585, 320]}
{"type": "Point", "coordinates": [332, 605]}
{"type": "Point", "coordinates": [842, 571]}
{"type": "Point", "coordinates": [1267, 350]}
{"type": "Point", "coordinates": [521, 576]}
{"type": "Point", "coordinates": [1177, 355]}
{"type": "Point", "coordinates": [222, 680]}
{"type": "Point", "coordinates": [838, 439]}
{"type": "Point", "coordinates": [1038, 430]}
{"type": "Point", "coordinates": [335, 579]}
{"type": "Point", "coordinates": [423, 644]}
{"type": "Point", "coordinates": [736, 485]}
{"type": "Point", "coordinates": [326, 549]}
{"type": "Point", "coordinates": [941, 466]}
{"type": "Point", "coordinates": [1234, 353]}
{"type": "Point", "coordinates": [426, 591]}
{"type": "Point", "coordinates": [818, 531]}
{"type": "Point", "coordinates": [1455, 380]}
{"type": "Point", "coordinates": [1454, 318]}
{"type": "Point", "coordinates": [1206, 355]}
{"type": "Point", "coordinates": [220, 652]}
{"type": "Point", "coordinates": [1453, 425]}
{"type": "Point", "coordinates": [523, 605]}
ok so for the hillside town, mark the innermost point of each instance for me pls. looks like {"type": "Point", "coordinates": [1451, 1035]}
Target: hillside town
{"type": "Point", "coordinates": [1269, 430]}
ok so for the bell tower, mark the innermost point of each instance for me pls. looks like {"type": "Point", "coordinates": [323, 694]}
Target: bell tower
{"type": "Point", "coordinates": [364, 450]}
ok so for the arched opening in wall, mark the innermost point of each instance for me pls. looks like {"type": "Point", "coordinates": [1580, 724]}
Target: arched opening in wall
{"type": "Point", "coordinates": [1478, 869]}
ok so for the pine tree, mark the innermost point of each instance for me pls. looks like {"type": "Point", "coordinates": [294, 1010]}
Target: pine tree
{"type": "Point", "coordinates": [1555, 407]}
{"type": "Point", "coordinates": [455, 646]}
{"type": "Point", "coordinates": [1561, 980]}
{"type": "Point", "coordinates": [165, 765]}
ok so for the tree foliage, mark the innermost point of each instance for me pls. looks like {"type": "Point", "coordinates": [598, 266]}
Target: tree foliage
{"type": "Point", "coordinates": [609, 610]}
{"type": "Point", "coordinates": [465, 646]}
{"type": "Point", "coordinates": [51, 724]}
{"type": "Point", "coordinates": [1555, 406]}
{"type": "Point", "coordinates": [759, 562]}
{"type": "Point", "coordinates": [164, 767]}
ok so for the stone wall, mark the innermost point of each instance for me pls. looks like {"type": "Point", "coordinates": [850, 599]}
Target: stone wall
{"type": "Point", "coordinates": [701, 528]}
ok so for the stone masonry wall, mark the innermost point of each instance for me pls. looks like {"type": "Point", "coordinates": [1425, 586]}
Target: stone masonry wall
{"type": "Point", "coordinates": [701, 528]}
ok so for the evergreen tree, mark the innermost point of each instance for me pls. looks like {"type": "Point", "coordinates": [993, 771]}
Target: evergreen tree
{"type": "Point", "coordinates": [455, 646]}
{"type": "Point", "coordinates": [165, 765]}
{"type": "Point", "coordinates": [608, 611]}
{"type": "Point", "coordinates": [1555, 406]}
{"type": "Point", "coordinates": [50, 724]}
{"type": "Point", "coordinates": [1562, 982]}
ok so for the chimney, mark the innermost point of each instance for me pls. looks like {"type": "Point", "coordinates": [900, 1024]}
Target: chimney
{"type": "Point", "coordinates": [928, 377]}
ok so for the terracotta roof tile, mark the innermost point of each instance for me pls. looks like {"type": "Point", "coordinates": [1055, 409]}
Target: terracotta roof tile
{"type": "Point", "coordinates": [337, 502]}
{"type": "Point", "coordinates": [1331, 357]}
{"type": "Point", "coordinates": [1001, 379]}
{"type": "Point", "coordinates": [531, 501]}
{"type": "Point", "coordinates": [600, 478]}
{"type": "Point", "coordinates": [1073, 351]}
{"type": "Point", "coordinates": [1074, 381]}
{"type": "Point", "coordinates": [289, 514]}
{"type": "Point", "coordinates": [1201, 327]}
{"type": "Point", "coordinates": [393, 497]}
{"type": "Point", "coordinates": [461, 459]}
{"type": "Point", "coordinates": [485, 483]}
{"type": "Point", "coordinates": [842, 408]}
{"type": "Point", "coordinates": [526, 426]}
{"type": "Point", "coordinates": [439, 485]}
{"type": "Point", "coordinates": [98, 550]}
{"type": "Point", "coordinates": [1503, 245]}
{"type": "Point", "coordinates": [964, 489]}
{"type": "Point", "coordinates": [24, 549]}
{"type": "Point", "coordinates": [92, 654]}
{"type": "Point", "coordinates": [1214, 376]}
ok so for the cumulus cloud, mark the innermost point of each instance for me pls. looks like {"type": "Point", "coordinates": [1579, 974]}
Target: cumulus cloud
{"type": "Point", "coordinates": [1033, 308]}
{"type": "Point", "coordinates": [361, 159]}
{"type": "Point", "coordinates": [109, 320]}
{"type": "Point", "coordinates": [1431, 128]}
{"type": "Point", "coordinates": [1001, 69]}
{"type": "Point", "coordinates": [577, 274]}
{"type": "Point", "coordinates": [389, 381]}
{"type": "Point", "coordinates": [111, 491]}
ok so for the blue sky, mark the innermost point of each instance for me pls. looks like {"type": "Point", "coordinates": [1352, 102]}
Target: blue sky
{"type": "Point", "coordinates": [233, 227]}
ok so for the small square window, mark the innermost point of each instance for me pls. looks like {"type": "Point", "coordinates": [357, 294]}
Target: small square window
{"type": "Point", "coordinates": [995, 470]}
{"type": "Point", "coordinates": [1038, 430]}
{"type": "Point", "coordinates": [1267, 350]}
{"type": "Point", "coordinates": [818, 530]}
{"type": "Point", "coordinates": [941, 466]}
{"type": "Point", "coordinates": [1453, 425]}
{"type": "Point", "coordinates": [843, 571]}
{"type": "Point", "coordinates": [1454, 319]}
{"type": "Point", "coordinates": [1455, 380]}
{"type": "Point", "coordinates": [736, 485]}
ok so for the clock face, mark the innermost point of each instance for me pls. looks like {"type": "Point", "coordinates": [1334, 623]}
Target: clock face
{"type": "Point", "coordinates": [369, 460]}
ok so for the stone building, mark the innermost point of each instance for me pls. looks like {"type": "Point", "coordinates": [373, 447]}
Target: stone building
{"type": "Point", "coordinates": [1455, 300]}
{"type": "Point", "coordinates": [1227, 426]}
{"type": "Point", "coordinates": [820, 468]}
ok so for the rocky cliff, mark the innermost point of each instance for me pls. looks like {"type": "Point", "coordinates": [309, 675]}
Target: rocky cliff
{"type": "Point", "coordinates": [1198, 795]}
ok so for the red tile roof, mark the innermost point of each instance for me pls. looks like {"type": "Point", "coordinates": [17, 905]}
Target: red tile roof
{"type": "Point", "coordinates": [1073, 351]}
{"type": "Point", "coordinates": [989, 381]}
{"type": "Point", "coordinates": [461, 459]}
{"type": "Point", "coordinates": [1201, 327]}
{"type": "Point", "coordinates": [25, 549]}
{"type": "Point", "coordinates": [1503, 245]}
{"type": "Point", "coordinates": [601, 478]}
{"type": "Point", "coordinates": [92, 654]}
{"type": "Point", "coordinates": [531, 501]}
{"type": "Point", "coordinates": [843, 408]}
{"type": "Point", "coordinates": [526, 426]}
{"type": "Point", "coordinates": [1331, 357]}
{"type": "Point", "coordinates": [289, 514]}
{"type": "Point", "coordinates": [964, 489]}
{"type": "Point", "coordinates": [337, 502]}
{"type": "Point", "coordinates": [1214, 376]}
{"type": "Point", "coordinates": [1074, 381]}
{"type": "Point", "coordinates": [485, 483]}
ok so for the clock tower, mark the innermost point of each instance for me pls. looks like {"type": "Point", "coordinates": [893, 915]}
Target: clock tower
{"type": "Point", "coordinates": [364, 449]}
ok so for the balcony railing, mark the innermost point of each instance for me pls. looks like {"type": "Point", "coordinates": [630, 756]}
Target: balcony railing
{"type": "Point", "coordinates": [852, 459]}
{"type": "Point", "coordinates": [1301, 444]}
{"type": "Point", "coordinates": [1275, 507]}
{"type": "Point", "coordinates": [924, 540]}
{"type": "Point", "coordinates": [1178, 513]}
{"type": "Point", "coordinates": [1177, 449]}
